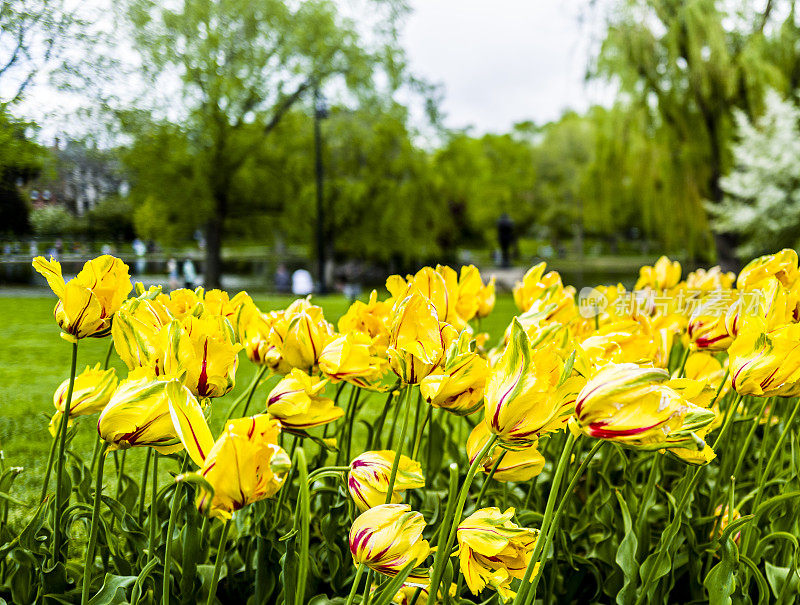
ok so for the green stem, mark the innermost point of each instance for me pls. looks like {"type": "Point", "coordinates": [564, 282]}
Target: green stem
{"type": "Point", "coordinates": [173, 515]}
{"type": "Point", "coordinates": [212, 591]}
{"type": "Point", "coordinates": [690, 480]}
{"type": "Point", "coordinates": [762, 481]}
{"type": "Point", "coordinates": [304, 511]}
{"type": "Point", "coordinates": [251, 389]}
{"type": "Point", "coordinates": [143, 484]}
{"type": "Point", "coordinates": [88, 564]}
{"type": "Point", "coordinates": [356, 580]}
{"type": "Point", "coordinates": [399, 451]}
{"type": "Point", "coordinates": [366, 598]}
{"type": "Point", "coordinates": [382, 420]}
{"type": "Point", "coordinates": [121, 473]}
{"type": "Point", "coordinates": [58, 535]}
{"type": "Point", "coordinates": [489, 478]}
{"type": "Point", "coordinates": [682, 367]}
{"type": "Point", "coordinates": [443, 554]}
{"type": "Point", "coordinates": [153, 509]}
{"type": "Point", "coordinates": [50, 457]}
{"type": "Point", "coordinates": [418, 437]}
{"type": "Point", "coordinates": [527, 592]}
{"type": "Point", "coordinates": [108, 353]}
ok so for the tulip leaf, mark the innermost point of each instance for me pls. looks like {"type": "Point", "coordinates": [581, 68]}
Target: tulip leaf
{"type": "Point", "coordinates": [113, 590]}
{"type": "Point", "coordinates": [626, 555]}
{"type": "Point", "coordinates": [777, 578]}
{"type": "Point", "coordinates": [761, 582]}
{"type": "Point", "coordinates": [721, 580]}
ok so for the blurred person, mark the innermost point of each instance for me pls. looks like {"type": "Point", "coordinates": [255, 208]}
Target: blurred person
{"type": "Point", "coordinates": [140, 250]}
{"type": "Point", "coordinates": [505, 236]}
{"type": "Point", "coordinates": [172, 271]}
{"type": "Point", "coordinates": [283, 281]}
{"type": "Point", "coordinates": [33, 248]}
{"type": "Point", "coordinates": [302, 284]}
{"type": "Point", "coordinates": [189, 274]}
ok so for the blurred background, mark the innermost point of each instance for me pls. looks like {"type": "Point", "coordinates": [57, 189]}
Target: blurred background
{"type": "Point", "coordinates": [321, 145]}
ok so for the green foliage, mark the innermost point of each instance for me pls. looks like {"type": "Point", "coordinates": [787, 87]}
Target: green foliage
{"type": "Point", "coordinates": [20, 160]}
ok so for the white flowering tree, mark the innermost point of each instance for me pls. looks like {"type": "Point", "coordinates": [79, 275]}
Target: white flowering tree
{"type": "Point", "coordinates": [762, 192]}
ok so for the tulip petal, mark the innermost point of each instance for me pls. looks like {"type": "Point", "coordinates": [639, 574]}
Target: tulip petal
{"type": "Point", "coordinates": [190, 424]}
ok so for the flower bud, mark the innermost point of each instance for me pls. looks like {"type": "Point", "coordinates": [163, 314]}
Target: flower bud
{"type": "Point", "coordinates": [297, 402]}
{"type": "Point", "coordinates": [352, 358]}
{"type": "Point", "coordinates": [416, 343]}
{"type": "Point", "coordinates": [138, 414]}
{"type": "Point", "coordinates": [368, 478]}
{"type": "Point", "coordinates": [88, 302]}
{"type": "Point", "coordinates": [91, 392]}
{"type": "Point", "coordinates": [457, 385]}
{"type": "Point", "coordinates": [387, 538]}
{"type": "Point", "coordinates": [306, 336]}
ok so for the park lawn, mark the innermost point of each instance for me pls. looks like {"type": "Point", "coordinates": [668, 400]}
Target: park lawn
{"type": "Point", "coordinates": [34, 360]}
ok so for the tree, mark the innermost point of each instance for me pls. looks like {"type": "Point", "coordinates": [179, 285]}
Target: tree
{"type": "Point", "coordinates": [686, 65]}
{"type": "Point", "coordinates": [20, 160]}
{"type": "Point", "coordinates": [762, 192]}
{"type": "Point", "coordinates": [241, 67]}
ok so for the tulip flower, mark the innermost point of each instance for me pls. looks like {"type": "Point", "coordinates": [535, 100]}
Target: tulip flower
{"type": "Point", "coordinates": [297, 402]}
{"type": "Point", "coordinates": [707, 329]}
{"type": "Point", "coordinates": [87, 303]}
{"type": "Point", "coordinates": [387, 538]}
{"type": "Point", "coordinates": [306, 336]}
{"type": "Point", "coordinates": [525, 395]}
{"type": "Point", "coordinates": [371, 318]}
{"type": "Point", "coordinates": [486, 299]}
{"type": "Point", "coordinates": [634, 406]}
{"type": "Point", "coordinates": [469, 291]}
{"type": "Point", "coordinates": [664, 275]}
{"type": "Point", "coordinates": [457, 385]}
{"type": "Point", "coordinates": [710, 280]}
{"type": "Point", "coordinates": [416, 343]}
{"type": "Point", "coordinates": [518, 465]}
{"type": "Point", "coordinates": [138, 413]}
{"type": "Point", "coordinates": [255, 336]}
{"type": "Point", "coordinates": [236, 310]}
{"type": "Point", "coordinates": [352, 358]}
{"type": "Point", "coordinates": [182, 302]}
{"type": "Point", "coordinates": [545, 291]}
{"type": "Point", "coordinates": [439, 287]}
{"type": "Point", "coordinates": [91, 392]}
{"type": "Point", "coordinates": [781, 266]}
{"type": "Point", "coordinates": [722, 518]}
{"type": "Point", "coordinates": [205, 349]}
{"type": "Point", "coordinates": [706, 368]}
{"type": "Point", "coordinates": [766, 363]}
{"type": "Point", "coordinates": [368, 478]}
{"type": "Point", "coordinates": [244, 465]}
{"type": "Point", "coordinates": [136, 331]}
{"type": "Point", "coordinates": [492, 550]}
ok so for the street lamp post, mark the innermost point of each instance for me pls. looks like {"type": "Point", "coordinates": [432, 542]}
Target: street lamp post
{"type": "Point", "coordinates": [320, 113]}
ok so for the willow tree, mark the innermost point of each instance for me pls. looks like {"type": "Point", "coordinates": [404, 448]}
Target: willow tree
{"type": "Point", "coordinates": [234, 70]}
{"type": "Point", "coordinates": [687, 65]}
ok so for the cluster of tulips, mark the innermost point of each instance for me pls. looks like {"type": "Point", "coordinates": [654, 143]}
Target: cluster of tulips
{"type": "Point", "coordinates": [650, 374]}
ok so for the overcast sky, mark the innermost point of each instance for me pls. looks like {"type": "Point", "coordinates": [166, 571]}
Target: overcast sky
{"type": "Point", "coordinates": [502, 61]}
{"type": "Point", "coordinates": [499, 61]}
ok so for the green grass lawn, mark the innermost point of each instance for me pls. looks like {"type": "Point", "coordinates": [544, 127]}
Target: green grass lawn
{"type": "Point", "coordinates": [34, 360]}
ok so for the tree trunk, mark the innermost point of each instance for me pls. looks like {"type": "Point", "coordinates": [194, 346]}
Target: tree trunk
{"type": "Point", "coordinates": [213, 266]}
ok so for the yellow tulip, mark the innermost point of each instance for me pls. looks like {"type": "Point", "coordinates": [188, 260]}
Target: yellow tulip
{"type": "Point", "coordinates": [256, 336]}
{"type": "Point", "coordinates": [136, 331]}
{"type": "Point", "coordinates": [664, 275]}
{"type": "Point", "coordinates": [205, 349]}
{"type": "Point", "coordinates": [297, 402]}
{"type": "Point", "coordinates": [368, 478]}
{"type": "Point", "coordinates": [486, 299]}
{"type": "Point", "coordinates": [525, 395]}
{"type": "Point", "coordinates": [91, 392]}
{"type": "Point", "coordinates": [706, 368]}
{"type": "Point", "coordinates": [458, 384]}
{"type": "Point", "coordinates": [710, 280]}
{"type": "Point", "coordinates": [416, 344]}
{"type": "Point", "coordinates": [387, 538]}
{"type": "Point", "coordinates": [236, 310]}
{"type": "Point", "coordinates": [766, 363]}
{"type": "Point", "coordinates": [492, 550]}
{"type": "Point", "coordinates": [138, 413]}
{"type": "Point", "coordinates": [353, 358]}
{"type": "Point", "coordinates": [244, 465]}
{"type": "Point", "coordinates": [781, 266]}
{"type": "Point", "coordinates": [438, 286]}
{"type": "Point", "coordinates": [470, 293]}
{"type": "Point", "coordinates": [87, 303]}
{"type": "Point", "coordinates": [371, 318]}
{"type": "Point", "coordinates": [182, 302]}
{"type": "Point", "coordinates": [519, 465]}
{"type": "Point", "coordinates": [634, 406]}
{"type": "Point", "coordinates": [707, 329]}
{"type": "Point", "coordinates": [545, 292]}
{"type": "Point", "coordinates": [306, 336]}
